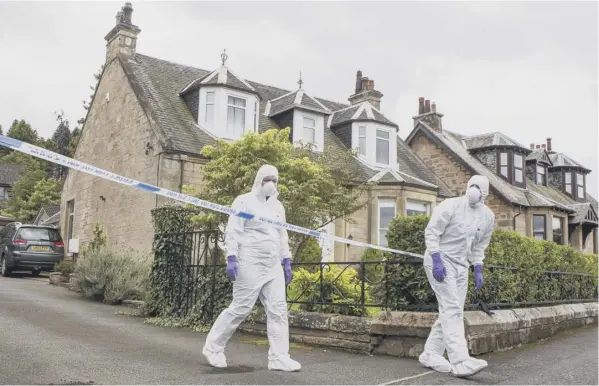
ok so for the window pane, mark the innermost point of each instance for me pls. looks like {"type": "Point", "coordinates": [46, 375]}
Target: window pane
{"type": "Point", "coordinates": [38, 234]}
{"type": "Point", "coordinates": [518, 175]}
{"type": "Point", "coordinates": [558, 230]}
{"type": "Point", "coordinates": [209, 97]}
{"type": "Point", "coordinates": [309, 122]}
{"type": "Point", "coordinates": [362, 131]}
{"type": "Point", "coordinates": [362, 145]}
{"type": "Point", "coordinates": [382, 151]}
{"type": "Point", "coordinates": [416, 208]}
{"type": "Point", "coordinates": [382, 134]}
{"type": "Point", "coordinates": [309, 135]}
{"type": "Point", "coordinates": [539, 224]}
{"type": "Point", "coordinates": [580, 192]}
{"type": "Point", "coordinates": [503, 158]}
{"type": "Point", "coordinates": [569, 188]}
{"type": "Point", "coordinates": [383, 238]}
{"type": "Point", "coordinates": [209, 114]}
{"type": "Point", "coordinates": [517, 161]}
{"type": "Point", "coordinates": [386, 215]}
{"type": "Point", "coordinates": [568, 178]}
{"type": "Point", "coordinates": [579, 179]}
{"type": "Point", "coordinates": [540, 236]}
{"type": "Point", "coordinates": [504, 171]}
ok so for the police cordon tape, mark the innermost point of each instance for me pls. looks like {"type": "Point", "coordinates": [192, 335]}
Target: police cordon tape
{"type": "Point", "coordinates": [59, 159]}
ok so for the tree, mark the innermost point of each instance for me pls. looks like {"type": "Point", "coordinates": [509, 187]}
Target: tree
{"type": "Point", "coordinates": [73, 142]}
{"type": "Point", "coordinates": [61, 139]}
{"type": "Point", "coordinates": [23, 131]}
{"type": "Point", "coordinates": [1, 132]}
{"type": "Point", "coordinates": [32, 191]}
{"type": "Point", "coordinates": [314, 189]}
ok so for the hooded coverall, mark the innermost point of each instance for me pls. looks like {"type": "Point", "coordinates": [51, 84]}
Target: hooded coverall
{"type": "Point", "coordinates": [259, 249]}
{"type": "Point", "coordinates": [460, 232]}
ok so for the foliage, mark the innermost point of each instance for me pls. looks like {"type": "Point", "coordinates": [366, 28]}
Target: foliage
{"type": "Point", "coordinates": [60, 140]}
{"type": "Point", "coordinates": [112, 276]}
{"type": "Point", "coordinates": [406, 284]}
{"type": "Point", "coordinates": [65, 267]}
{"type": "Point", "coordinates": [340, 286]}
{"type": "Point", "coordinates": [314, 189]}
{"type": "Point", "coordinates": [373, 272]}
{"type": "Point", "coordinates": [23, 131]}
{"type": "Point", "coordinates": [99, 238]}
{"type": "Point", "coordinates": [30, 193]}
{"type": "Point", "coordinates": [309, 251]}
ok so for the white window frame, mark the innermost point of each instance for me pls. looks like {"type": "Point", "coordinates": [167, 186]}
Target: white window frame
{"type": "Point", "coordinates": [244, 109]}
{"type": "Point", "coordinates": [213, 105]}
{"type": "Point", "coordinates": [427, 206]}
{"type": "Point", "coordinates": [539, 174]}
{"type": "Point", "coordinates": [571, 183]}
{"type": "Point", "coordinates": [388, 139]}
{"type": "Point", "coordinates": [362, 136]}
{"type": "Point", "coordinates": [580, 184]}
{"type": "Point", "coordinates": [305, 129]}
{"type": "Point", "coordinates": [384, 203]}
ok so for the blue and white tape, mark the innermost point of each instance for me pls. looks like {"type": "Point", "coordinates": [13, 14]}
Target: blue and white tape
{"type": "Point", "coordinates": [59, 159]}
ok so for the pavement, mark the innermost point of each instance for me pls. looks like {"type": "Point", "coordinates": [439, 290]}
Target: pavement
{"type": "Point", "coordinates": [49, 335]}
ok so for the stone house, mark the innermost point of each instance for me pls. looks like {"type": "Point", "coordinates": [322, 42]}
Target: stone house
{"type": "Point", "coordinates": [534, 190]}
{"type": "Point", "coordinates": [150, 118]}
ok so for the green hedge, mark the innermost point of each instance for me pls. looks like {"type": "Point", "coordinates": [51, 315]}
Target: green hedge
{"type": "Point", "coordinates": [407, 284]}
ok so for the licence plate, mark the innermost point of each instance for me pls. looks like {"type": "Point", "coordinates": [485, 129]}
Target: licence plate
{"type": "Point", "coordinates": [39, 248]}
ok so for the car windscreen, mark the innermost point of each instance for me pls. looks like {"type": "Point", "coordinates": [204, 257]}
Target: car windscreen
{"type": "Point", "coordinates": [38, 234]}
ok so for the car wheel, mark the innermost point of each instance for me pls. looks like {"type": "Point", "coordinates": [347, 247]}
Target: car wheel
{"type": "Point", "coordinates": [36, 272]}
{"type": "Point", "coordinates": [4, 270]}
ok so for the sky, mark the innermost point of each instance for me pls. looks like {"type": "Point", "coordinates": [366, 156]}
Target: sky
{"type": "Point", "coordinates": [526, 69]}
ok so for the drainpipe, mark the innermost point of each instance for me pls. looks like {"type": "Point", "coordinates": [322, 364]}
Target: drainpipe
{"type": "Point", "coordinates": [181, 167]}
{"type": "Point", "coordinates": [518, 214]}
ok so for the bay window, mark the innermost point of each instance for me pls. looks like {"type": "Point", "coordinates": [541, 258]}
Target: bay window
{"type": "Point", "coordinates": [415, 208]}
{"type": "Point", "coordinates": [558, 230]}
{"type": "Point", "coordinates": [235, 116]}
{"type": "Point", "coordinates": [539, 228]}
{"type": "Point", "coordinates": [382, 147]}
{"type": "Point", "coordinates": [387, 209]}
{"type": "Point", "coordinates": [510, 166]}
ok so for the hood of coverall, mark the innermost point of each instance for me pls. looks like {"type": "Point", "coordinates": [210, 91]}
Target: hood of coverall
{"type": "Point", "coordinates": [265, 171]}
{"type": "Point", "coordinates": [483, 183]}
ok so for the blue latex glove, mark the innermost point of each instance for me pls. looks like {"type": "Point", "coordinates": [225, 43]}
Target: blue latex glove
{"type": "Point", "coordinates": [232, 267]}
{"type": "Point", "coordinates": [439, 272]}
{"type": "Point", "coordinates": [478, 277]}
{"type": "Point", "coordinates": [287, 270]}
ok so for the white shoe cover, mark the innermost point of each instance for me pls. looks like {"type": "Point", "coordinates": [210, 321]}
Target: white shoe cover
{"type": "Point", "coordinates": [468, 368]}
{"type": "Point", "coordinates": [284, 365]}
{"type": "Point", "coordinates": [435, 362]}
{"type": "Point", "coordinates": [216, 359]}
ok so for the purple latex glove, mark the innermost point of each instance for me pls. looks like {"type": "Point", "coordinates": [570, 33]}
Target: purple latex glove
{"type": "Point", "coordinates": [287, 270]}
{"type": "Point", "coordinates": [232, 267]}
{"type": "Point", "coordinates": [439, 272]}
{"type": "Point", "coordinates": [478, 277]}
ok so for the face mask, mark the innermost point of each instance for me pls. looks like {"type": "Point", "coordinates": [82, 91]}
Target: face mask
{"type": "Point", "coordinates": [269, 188]}
{"type": "Point", "coordinates": [474, 195]}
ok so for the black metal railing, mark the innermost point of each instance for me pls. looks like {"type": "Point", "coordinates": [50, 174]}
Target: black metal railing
{"type": "Point", "coordinates": [194, 280]}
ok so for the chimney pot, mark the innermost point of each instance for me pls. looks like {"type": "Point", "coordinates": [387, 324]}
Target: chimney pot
{"type": "Point", "coordinates": [538, 146]}
{"type": "Point", "coordinates": [548, 144]}
{"type": "Point", "coordinates": [543, 146]}
{"type": "Point", "coordinates": [434, 107]}
{"type": "Point", "coordinates": [427, 106]}
{"type": "Point", "coordinates": [358, 81]}
{"type": "Point", "coordinates": [532, 146]}
{"type": "Point", "coordinates": [119, 17]}
{"type": "Point", "coordinates": [420, 106]}
{"type": "Point", "coordinates": [127, 11]}
{"type": "Point", "coordinates": [371, 84]}
{"type": "Point", "coordinates": [364, 84]}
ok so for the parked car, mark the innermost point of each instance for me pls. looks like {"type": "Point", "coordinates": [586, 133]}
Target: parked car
{"type": "Point", "coordinates": [25, 247]}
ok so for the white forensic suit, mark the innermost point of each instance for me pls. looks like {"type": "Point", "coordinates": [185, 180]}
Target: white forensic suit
{"type": "Point", "coordinates": [460, 231]}
{"type": "Point", "coordinates": [259, 249]}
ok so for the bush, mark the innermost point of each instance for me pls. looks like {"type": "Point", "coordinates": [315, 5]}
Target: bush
{"type": "Point", "coordinates": [65, 267]}
{"type": "Point", "coordinates": [340, 286]}
{"type": "Point", "coordinates": [407, 284]}
{"type": "Point", "coordinates": [111, 276]}
{"type": "Point", "coordinates": [373, 273]}
{"type": "Point", "coordinates": [310, 252]}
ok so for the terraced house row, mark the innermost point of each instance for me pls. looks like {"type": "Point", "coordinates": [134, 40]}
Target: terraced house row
{"type": "Point", "coordinates": [150, 118]}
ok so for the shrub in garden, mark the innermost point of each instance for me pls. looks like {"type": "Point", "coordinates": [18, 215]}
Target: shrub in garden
{"type": "Point", "coordinates": [65, 267]}
{"type": "Point", "coordinates": [340, 286]}
{"type": "Point", "coordinates": [112, 276]}
{"type": "Point", "coordinates": [373, 273]}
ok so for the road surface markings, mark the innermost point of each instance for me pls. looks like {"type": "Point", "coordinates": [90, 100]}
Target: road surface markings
{"type": "Point", "coordinates": [407, 378]}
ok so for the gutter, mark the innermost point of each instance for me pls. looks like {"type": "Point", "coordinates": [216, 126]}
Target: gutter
{"type": "Point", "coordinates": [518, 214]}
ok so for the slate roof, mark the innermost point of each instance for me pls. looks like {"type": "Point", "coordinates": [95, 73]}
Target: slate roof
{"type": "Point", "coordinates": [491, 140]}
{"type": "Point", "coordinates": [360, 112]}
{"type": "Point", "coordinates": [562, 160]}
{"type": "Point", "coordinates": [220, 77]}
{"type": "Point", "coordinates": [51, 210]}
{"type": "Point", "coordinates": [533, 196]}
{"type": "Point", "coordinates": [159, 85]}
{"type": "Point", "coordinates": [10, 173]}
{"type": "Point", "coordinates": [540, 155]}
{"type": "Point", "coordinates": [297, 99]}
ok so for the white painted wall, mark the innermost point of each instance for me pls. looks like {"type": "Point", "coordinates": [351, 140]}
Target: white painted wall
{"type": "Point", "coordinates": [298, 125]}
{"type": "Point", "coordinates": [371, 128]}
{"type": "Point", "coordinates": [219, 126]}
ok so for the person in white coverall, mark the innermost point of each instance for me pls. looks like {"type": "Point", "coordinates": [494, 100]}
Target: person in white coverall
{"type": "Point", "coordinates": [255, 251]}
{"type": "Point", "coordinates": [457, 236]}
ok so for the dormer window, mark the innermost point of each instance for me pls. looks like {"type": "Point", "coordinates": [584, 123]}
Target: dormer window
{"type": "Point", "coordinates": [309, 130]}
{"type": "Point", "coordinates": [382, 147]}
{"type": "Point", "coordinates": [568, 182]}
{"type": "Point", "coordinates": [574, 185]}
{"type": "Point", "coordinates": [362, 140]}
{"type": "Point", "coordinates": [209, 116]}
{"type": "Point", "coordinates": [510, 166]}
{"type": "Point", "coordinates": [579, 185]}
{"type": "Point", "coordinates": [235, 116]}
{"type": "Point", "coordinates": [541, 175]}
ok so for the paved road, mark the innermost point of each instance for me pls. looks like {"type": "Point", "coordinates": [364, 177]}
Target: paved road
{"type": "Point", "coordinates": [48, 335]}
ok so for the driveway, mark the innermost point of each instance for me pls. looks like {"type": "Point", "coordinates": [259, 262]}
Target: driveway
{"type": "Point", "coordinates": [49, 335]}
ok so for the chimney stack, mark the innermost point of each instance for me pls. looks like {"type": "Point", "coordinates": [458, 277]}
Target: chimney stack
{"type": "Point", "coordinates": [427, 113]}
{"type": "Point", "coordinates": [358, 82]}
{"type": "Point", "coordinates": [532, 146]}
{"type": "Point", "coordinates": [420, 106]}
{"type": "Point", "coordinates": [122, 39]}
{"type": "Point", "coordinates": [365, 92]}
{"type": "Point", "coordinates": [549, 144]}
{"type": "Point", "coordinates": [538, 146]}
